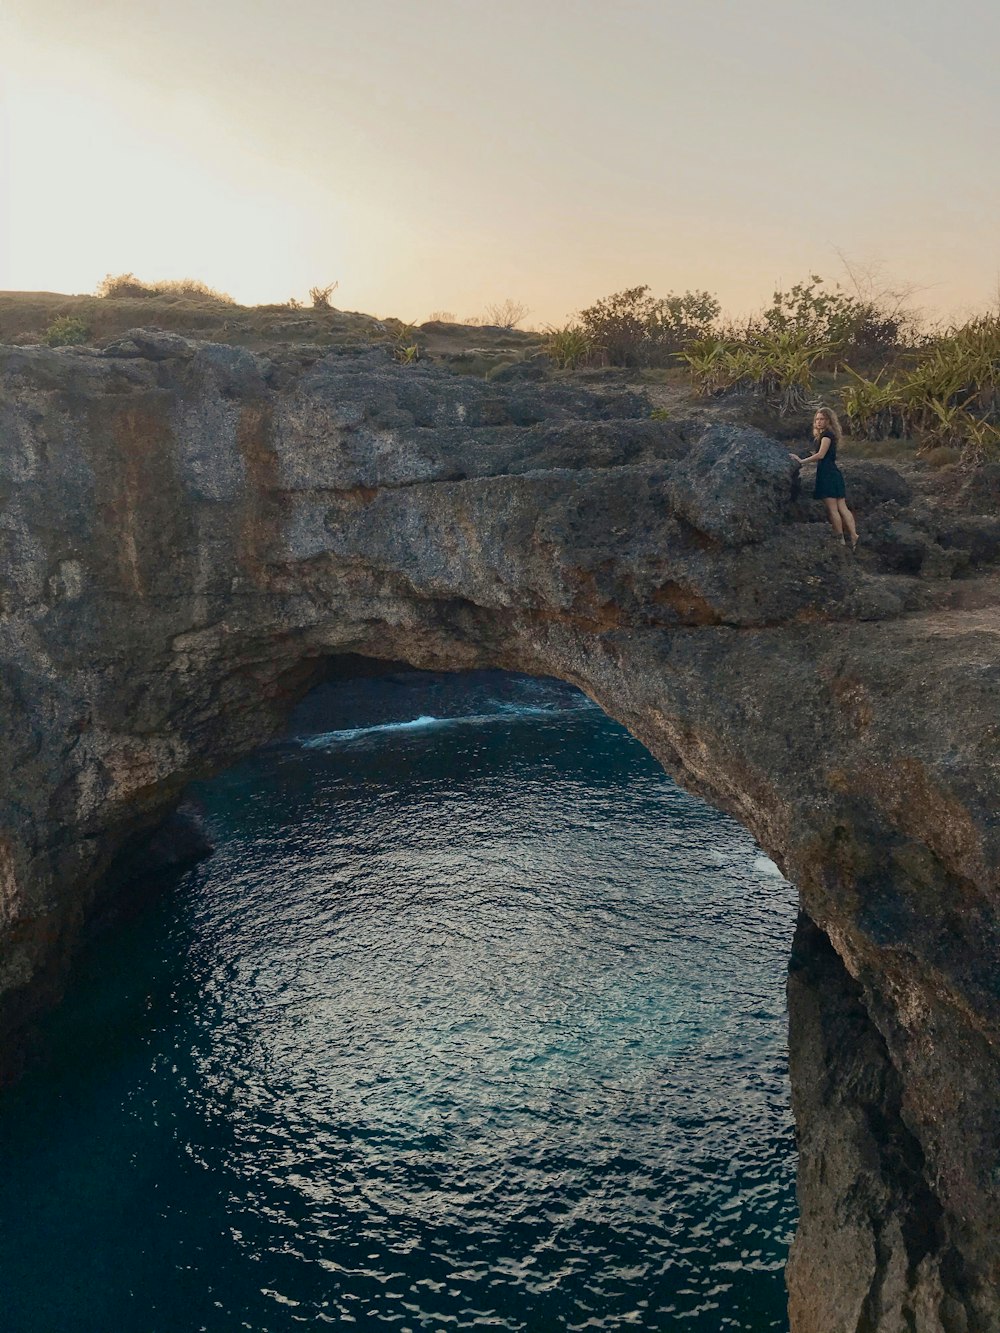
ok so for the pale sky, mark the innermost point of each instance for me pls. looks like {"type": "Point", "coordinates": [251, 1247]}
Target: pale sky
{"type": "Point", "coordinates": [444, 154]}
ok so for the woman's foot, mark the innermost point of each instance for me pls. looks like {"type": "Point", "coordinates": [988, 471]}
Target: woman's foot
{"type": "Point", "coordinates": [854, 542]}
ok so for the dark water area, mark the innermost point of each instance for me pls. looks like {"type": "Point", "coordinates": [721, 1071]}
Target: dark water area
{"type": "Point", "coordinates": [473, 1021]}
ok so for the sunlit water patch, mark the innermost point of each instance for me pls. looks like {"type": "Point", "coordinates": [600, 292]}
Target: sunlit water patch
{"type": "Point", "coordinates": [473, 1021]}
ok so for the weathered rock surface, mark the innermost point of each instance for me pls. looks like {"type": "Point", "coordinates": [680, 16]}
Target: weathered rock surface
{"type": "Point", "coordinates": [189, 532]}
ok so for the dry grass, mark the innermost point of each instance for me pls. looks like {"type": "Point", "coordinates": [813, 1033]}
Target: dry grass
{"type": "Point", "coordinates": [885, 451]}
{"type": "Point", "coordinates": [774, 381]}
{"type": "Point", "coordinates": [126, 286]}
{"type": "Point", "coordinates": [24, 316]}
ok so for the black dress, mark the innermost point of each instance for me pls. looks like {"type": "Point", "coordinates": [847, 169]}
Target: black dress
{"type": "Point", "coordinates": [829, 478]}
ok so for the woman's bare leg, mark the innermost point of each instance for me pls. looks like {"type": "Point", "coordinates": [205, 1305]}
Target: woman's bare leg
{"type": "Point", "coordinates": [833, 514]}
{"type": "Point", "coordinates": [848, 520]}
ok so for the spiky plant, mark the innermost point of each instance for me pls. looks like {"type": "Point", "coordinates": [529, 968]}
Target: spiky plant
{"type": "Point", "coordinates": [708, 360]}
{"type": "Point", "coordinates": [872, 407]}
{"type": "Point", "coordinates": [568, 346]}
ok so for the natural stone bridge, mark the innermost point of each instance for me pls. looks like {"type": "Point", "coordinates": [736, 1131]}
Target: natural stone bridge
{"type": "Point", "coordinates": [189, 533]}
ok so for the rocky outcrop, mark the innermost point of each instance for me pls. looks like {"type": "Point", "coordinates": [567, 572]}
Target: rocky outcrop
{"type": "Point", "coordinates": [189, 533]}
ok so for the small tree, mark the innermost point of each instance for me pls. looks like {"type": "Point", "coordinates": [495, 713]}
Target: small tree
{"type": "Point", "coordinates": [632, 328]}
{"type": "Point", "coordinates": [807, 308]}
{"type": "Point", "coordinates": [617, 326]}
{"type": "Point", "coordinates": [864, 322]}
{"type": "Point", "coordinates": [320, 296]}
{"type": "Point", "coordinates": [679, 319]}
{"type": "Point", "coordinates": [508, 315]}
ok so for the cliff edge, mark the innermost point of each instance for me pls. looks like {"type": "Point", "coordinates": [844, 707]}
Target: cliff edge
{"type": "Point", "coordinates": [189, 532]}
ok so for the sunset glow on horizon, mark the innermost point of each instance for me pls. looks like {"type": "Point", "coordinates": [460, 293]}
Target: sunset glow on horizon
{"type": "Point", "coordinates": [444, 156]}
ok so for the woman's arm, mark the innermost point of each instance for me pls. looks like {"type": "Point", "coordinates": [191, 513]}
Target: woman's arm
{"type": "Point", "coordinates": [821, 452]}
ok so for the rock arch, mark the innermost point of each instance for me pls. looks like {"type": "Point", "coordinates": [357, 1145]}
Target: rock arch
{"type": "Point", "coordinates": [188, 531]}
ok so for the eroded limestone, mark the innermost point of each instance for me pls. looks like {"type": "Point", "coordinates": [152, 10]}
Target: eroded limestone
{"type": "Point", "coordinates": [187, 533]}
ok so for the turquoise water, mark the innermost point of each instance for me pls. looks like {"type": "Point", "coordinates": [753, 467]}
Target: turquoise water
{"type": "Point", "coordinates": [473, 1021]}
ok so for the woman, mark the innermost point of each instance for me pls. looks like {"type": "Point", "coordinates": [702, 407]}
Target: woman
{"type": "Point", "coordinates": [829, 478]}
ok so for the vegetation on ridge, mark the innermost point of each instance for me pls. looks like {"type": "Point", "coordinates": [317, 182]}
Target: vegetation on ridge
{"type": "Point", "coordinates": [863, 350]}
{"type": "Point", "coordinates": [128, 286]}
{"type": "Point", "coordinates": [940, 388]}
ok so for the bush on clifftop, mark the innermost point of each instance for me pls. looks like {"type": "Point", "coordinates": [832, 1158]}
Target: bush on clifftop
{"type": "Point", "coordinates": [632, 328]}
{"type": "Point", "coordinates": [67, 331]}
{"type": "Point", "coordinates": [126, 286]}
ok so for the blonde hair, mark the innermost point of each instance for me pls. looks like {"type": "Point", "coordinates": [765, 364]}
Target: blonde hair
{"type": "Point", "coordinates": [832, 423]}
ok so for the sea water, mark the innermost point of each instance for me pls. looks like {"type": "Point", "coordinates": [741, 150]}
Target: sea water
{"type": "Point", "coordinates": [474, 1020]}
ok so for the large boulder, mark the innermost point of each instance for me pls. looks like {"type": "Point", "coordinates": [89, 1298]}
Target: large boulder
{"type": "Point", "coordinates": [735, 486]}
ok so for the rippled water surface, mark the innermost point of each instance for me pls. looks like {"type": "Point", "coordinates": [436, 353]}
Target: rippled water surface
{"type": "Point", "coordinates": [475, 1022]}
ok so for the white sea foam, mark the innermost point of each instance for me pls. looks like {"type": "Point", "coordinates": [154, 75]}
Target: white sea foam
{"type": "Point", "coordinates": [326, 738]}
{"type": "Point", "coordinates": [765, 866]}
{"type": "Point", "coordinates": [506, 712]}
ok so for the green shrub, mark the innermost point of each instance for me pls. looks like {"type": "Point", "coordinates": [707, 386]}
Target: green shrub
{"type": "Point", "coordinates": [872, 407]}
{"type": "Point", "coordinates": [781, 368]}
{"type": "Point", "coordinates": [632, 328]}
{"type": "Point", "coordinates": [712, 363]}
{"type": "Point", "coordinates": [809, 309]}
{"type": "Point", "coordinates": [947, 396]}
{"type": "Point", "coordinates": [66, 331]}
{"type": "Point", "coordinates": [403, 340]}
{"type": "Point", "coordinates": [868, 324]}
{"type": "Point", "coordinates": [775, 354]}
{"type": "Point", "coordinates": [678, 319]}
{"type": "Point", "coordinates": [568, 347]}
{"type": "Point", "coordinates": [775, 367]}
